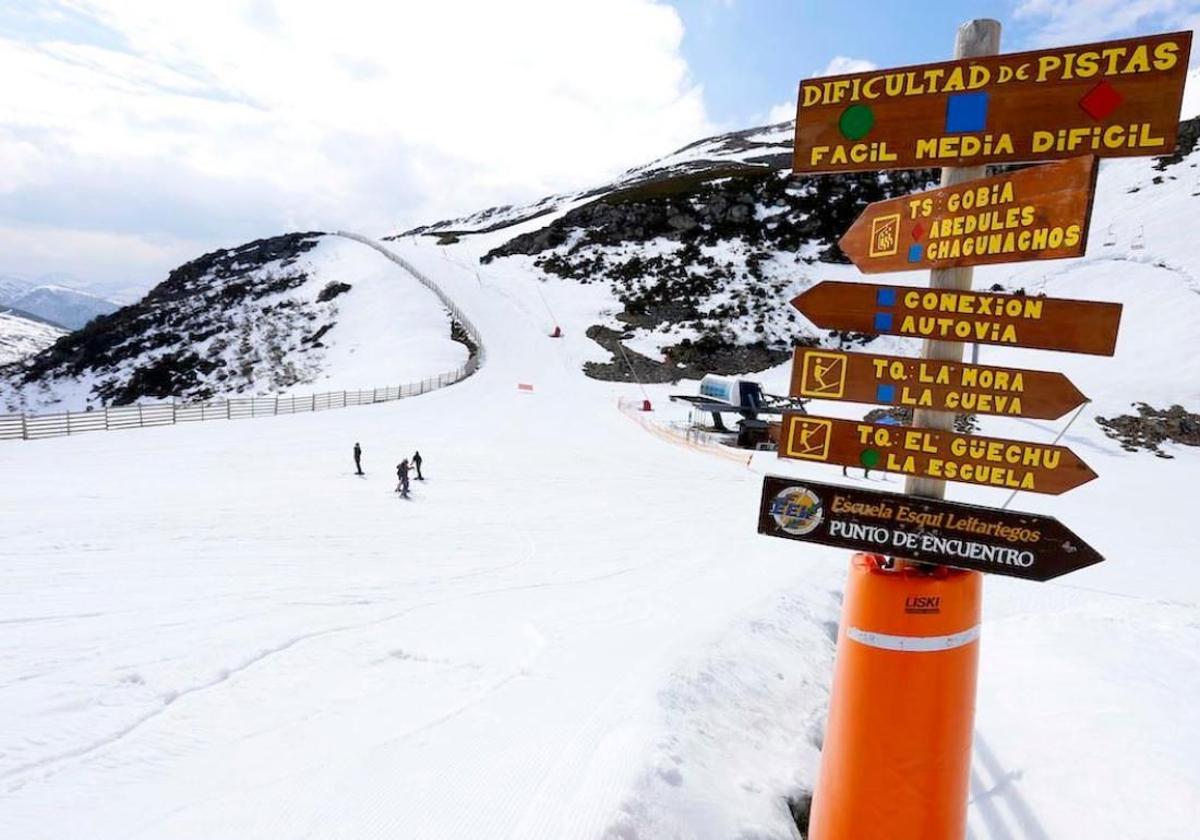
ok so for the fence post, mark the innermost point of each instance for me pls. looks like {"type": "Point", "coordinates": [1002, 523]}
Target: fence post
{"type": "Point", "coordinates": [174, 412]}
{"type": "Point", "coordinates": [276, 412]}
{"type": "Point", "coordinates": [228, 409]}
{"type": "Point", "coordinates": [24, 426]}
{"type": "Point", "coordinates": [140, 424]}
{"type": "Point", "coordinates": [313, 405]}
{"type": "Point", "coordinates": [68, 424]}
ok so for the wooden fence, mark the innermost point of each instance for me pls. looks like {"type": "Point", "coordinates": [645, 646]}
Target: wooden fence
{"type": "Point", "coordinates": [38, 426]}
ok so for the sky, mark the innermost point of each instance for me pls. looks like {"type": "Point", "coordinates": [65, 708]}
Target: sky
{"type": "Point", "coordinates": [138, 134]}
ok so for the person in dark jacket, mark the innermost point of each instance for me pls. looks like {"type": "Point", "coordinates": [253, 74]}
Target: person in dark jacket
{"type": "Point", "coordinates": [402, 474]}
{"type": "Point", "coordinates": [416, 459]}
{"type": "Point", "coordinates": [358, 459]}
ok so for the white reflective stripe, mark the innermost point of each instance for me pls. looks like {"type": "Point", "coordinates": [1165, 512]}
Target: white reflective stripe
{"type": "Point", "coordinates": [913, 643]}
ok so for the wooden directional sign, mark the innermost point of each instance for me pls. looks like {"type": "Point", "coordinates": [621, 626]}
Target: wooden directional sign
{"type": "Point", "coordinates": [1112, 99]}
{"type": "Point", "coordinates": [1039, 213]}
{"type": "Point", "coordinates": [925, 383]}
{"type": "Point", "coordinates": [928, 530]}
{"type": "Point", "coordinates": [929, 453]}
{"type": "Point", "coordinates": [1076, 326]}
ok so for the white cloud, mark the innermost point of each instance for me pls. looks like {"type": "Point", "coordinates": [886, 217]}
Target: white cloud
{"type": "Point", "coordinates": [782, 112]}
{"type": "Point", "coordinates": [841, 64]}
{"type": "Point", "coordinates": [218, 121]}
{"type": "Point", "coordinates": [1062, 22]}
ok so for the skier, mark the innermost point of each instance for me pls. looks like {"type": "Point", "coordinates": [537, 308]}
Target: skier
{"type": "Point", "coordinates": [402, 474]}
{"type": "Point", "coordinates": [358, 459]}
{"type": "Point", "coordinates": [416, 460]}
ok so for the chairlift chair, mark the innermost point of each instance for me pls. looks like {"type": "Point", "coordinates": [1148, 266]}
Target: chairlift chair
{"type": "Point", "coordinates": [1110, 237]}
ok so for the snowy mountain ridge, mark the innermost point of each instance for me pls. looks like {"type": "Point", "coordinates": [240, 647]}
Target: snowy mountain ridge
{"type": "Point", "coordinates": [266, 317]}
{"type": "Point", "coordinates": [750, 150]}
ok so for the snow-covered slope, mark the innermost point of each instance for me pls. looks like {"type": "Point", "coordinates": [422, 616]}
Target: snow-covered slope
{"type": "Point", "coordinates": [302, 310]}
{"type": "Point", "coordinates": [22, 336]}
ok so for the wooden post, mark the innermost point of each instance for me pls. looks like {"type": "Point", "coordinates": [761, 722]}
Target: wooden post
{"type": "Point", "coordinates": [896, 759]}
{"type": "Point", "coordinates": [976, 38]}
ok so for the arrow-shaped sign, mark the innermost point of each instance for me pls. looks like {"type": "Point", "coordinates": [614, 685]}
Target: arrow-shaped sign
{"type": "Point", "coordinates": [935, 531]}
{"type": "Point", "coordinates": [1076, 326]}
{"type": "Point", "coordinates": [926, 383]}
{"type": "Point", "coordinates": [929, 453]}
{"type": "Point", "coordinates": [1039, 213]}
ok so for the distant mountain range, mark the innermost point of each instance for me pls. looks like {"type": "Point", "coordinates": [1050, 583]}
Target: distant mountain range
{"type": "Point", "coordinates": [62, 306]}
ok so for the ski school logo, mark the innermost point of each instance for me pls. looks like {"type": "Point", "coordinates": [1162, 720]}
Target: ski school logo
{"type": "Point", "coordinates": [797, 510]}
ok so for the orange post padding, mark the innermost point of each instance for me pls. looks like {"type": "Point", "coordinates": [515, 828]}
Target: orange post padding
{"type": "Point", "coordinates": [897, 750]}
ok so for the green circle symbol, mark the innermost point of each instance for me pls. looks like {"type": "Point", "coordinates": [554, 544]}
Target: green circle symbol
{"type": "Point", "coordinates": [856, 122]}
{"type": "Point", "coordinates": [870, 458]}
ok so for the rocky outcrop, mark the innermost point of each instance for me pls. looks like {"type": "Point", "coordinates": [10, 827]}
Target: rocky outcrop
{"type": "Point", "coordinates": [1150, 428]}
{"type": "Point", "coordinates": [219, 320]}
{"type": "Point", "coordinates": [768, 209]}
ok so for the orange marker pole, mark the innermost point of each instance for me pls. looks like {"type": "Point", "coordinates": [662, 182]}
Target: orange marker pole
{"type": "Point", "coordinates": [896, 760]}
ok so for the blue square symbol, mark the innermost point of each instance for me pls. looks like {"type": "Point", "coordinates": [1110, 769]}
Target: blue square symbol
{"type": "Point", "coordinates": [885, 393]}
{"type": "Point", "coordinates": [966, 112]}
{"type": "Point", "coordinates": [885, 297]}
{"type": "Point", "coordinates": [883, 321]}
{"type": "Point", "coordinates": [915, 252]}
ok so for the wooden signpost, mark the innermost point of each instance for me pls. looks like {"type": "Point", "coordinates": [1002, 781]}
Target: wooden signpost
{"type": "Point", "coordinates": [1075, 326]}
{"type": "Point", "coordinates": [1111, 99]}
{"type": "Point", "coordinates": [926, 383]}
{"type": "Point", "coordinates": [1039, 213]}
{"type": "Point", "coordinates": [982, 539]}
{"type": "Point", "coordinates": [931, 453]}
{"type": "Point", "coordinates": [896, 756]}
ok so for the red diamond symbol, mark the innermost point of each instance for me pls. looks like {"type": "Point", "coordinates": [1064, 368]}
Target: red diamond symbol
{"type": "Point", "coordinates": [1100, 101]}
{"type": "Point", "coordinates": [918, 231]}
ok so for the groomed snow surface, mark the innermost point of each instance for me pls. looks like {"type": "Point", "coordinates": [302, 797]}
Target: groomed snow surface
{"type": "Point", "coordinates": [571, 630]}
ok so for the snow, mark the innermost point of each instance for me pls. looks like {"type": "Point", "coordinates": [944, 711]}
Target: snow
{"type": "Point", "coordinates": [21, 337]}
{"type": "Point", "coordinates": [390, 330]}
{"type": "Point", "coordinates": [238, 637]}
{"type": "Point", "coordinates": [572, 630]}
